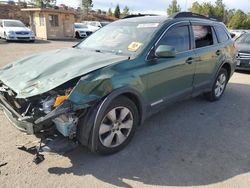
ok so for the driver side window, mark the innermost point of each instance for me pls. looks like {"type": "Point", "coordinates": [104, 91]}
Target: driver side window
{"type": "Point", "coordinates": [177, 37]}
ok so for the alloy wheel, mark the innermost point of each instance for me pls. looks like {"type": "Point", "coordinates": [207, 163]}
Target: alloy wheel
{"type": "Point", "coordinates": [116, 127]}
{"type": "Point", "coordinates": [220, 85]}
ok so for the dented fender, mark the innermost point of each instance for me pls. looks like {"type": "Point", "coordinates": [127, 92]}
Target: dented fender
{"type": "Point", "coordinates": [97, 85]}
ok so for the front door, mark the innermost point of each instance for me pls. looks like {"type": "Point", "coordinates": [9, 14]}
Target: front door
{"type": "Point", "coordinates": [171, 78]}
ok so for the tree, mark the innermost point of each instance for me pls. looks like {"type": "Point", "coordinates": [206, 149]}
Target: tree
{"type": "Point", "coordinates": [117, 12]}
{"type": "Point", "coordinates": [125, 11]}
{"type": "Point", "coordinates": [232, 18]}
{"type": "Point", "coordinates": [238, 20]}
{"type": "Point", "coordinates": [173, 7]}
{"type": "Point", "coordinates": [45, 3]}
{"type": "Point", "coordinates": [87, 5]}
{"type": "Point", "coordinates": [110, 13]}
{"type": "Point", "coordinates": [219, 10]}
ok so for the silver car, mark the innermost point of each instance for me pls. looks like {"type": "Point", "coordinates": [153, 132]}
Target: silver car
{"type": "Point", "coordinates": [12, 30]}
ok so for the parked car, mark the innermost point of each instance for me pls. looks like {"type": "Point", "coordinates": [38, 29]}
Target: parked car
{"type": "Point", "coordinates": [237, 33]}
{"type": "Point", "coordinates": [81, 30]}
{"type": "Point", "coordinates": [99, 91]}
{"type": "Point", "coordinates": [11, 30]}
{"type": "Point", "coordinates": [243, 58]}
{"type": "Point", "coordinates": [96, 24]}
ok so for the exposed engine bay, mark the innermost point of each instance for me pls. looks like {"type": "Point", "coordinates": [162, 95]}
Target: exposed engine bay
{"type": "Point", "coordinates": [34, 108]}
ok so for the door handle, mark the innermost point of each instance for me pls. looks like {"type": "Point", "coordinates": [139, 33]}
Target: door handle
{"type": "Point", "coordinates": [189, 60]}
{"type": "Point", "coordinates": [218, 52]}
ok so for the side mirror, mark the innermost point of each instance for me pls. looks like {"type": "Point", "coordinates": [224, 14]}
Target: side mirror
{"type": "Point", "coordinates": [165, 51]}
{"type": "Point", "coordinates": [232, 35]}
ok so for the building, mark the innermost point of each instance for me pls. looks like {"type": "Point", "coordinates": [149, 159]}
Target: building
{"type": "Point", "coordinates": [51, 23]}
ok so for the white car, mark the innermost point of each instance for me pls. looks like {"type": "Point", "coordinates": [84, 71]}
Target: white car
{"type": "Point", "coordinates": [15, 30]}
{"type": "Point", "coordinates": [82, 31]}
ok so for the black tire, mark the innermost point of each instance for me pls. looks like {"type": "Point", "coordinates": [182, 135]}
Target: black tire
{"type": "Point", "coordinates": [77, 36]}
{"type": "Point", "coordinates": [96, 140]}
{"type": "Point", "coordinates": [212, 96]}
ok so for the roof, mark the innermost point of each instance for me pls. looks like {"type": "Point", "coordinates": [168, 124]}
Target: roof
{"type": "Point", "coordinates": [158, 19]}
{"type": "Point", "coordinates": [49, 10]}
{"type": "Point", "coordinates": [177, 16]}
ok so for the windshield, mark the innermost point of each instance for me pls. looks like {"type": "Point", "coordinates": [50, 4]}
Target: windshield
{"type": "Point", "coordinates": [13, 24]}
{"type": "Point", "coordinates": [121, 37]}
{"type": "Point", "coordinates": [78, 26]}
{"type": "Point", "coordinates": [244, 39]}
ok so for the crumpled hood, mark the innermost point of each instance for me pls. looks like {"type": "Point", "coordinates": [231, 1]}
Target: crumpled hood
{"type": "Point", "coordinates": [40, 73]}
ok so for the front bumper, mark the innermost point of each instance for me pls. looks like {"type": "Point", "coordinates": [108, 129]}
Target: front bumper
{"type": "Point", "coordinates": [243, 64]}
{"type": "Point", "coordinates": [30, 125]}
{"type": "Point", "coordinates": [17, 120]}
{"type": "Point", "coordinates": [16, 37]}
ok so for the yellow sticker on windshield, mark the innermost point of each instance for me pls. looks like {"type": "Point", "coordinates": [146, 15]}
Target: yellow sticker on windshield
{"type": "Point", "coordinates": [134, 46]}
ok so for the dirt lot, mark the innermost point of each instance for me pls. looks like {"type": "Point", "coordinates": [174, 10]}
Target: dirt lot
{"type": "Point", "coordinates": [192, 143]}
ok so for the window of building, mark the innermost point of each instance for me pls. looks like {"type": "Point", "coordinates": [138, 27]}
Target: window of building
{"type": "Point", "coordinates": [177, 37]}
{"type": "Point", "coordinates": [53, 20]}
{"type": "Point", "coordinates": [221, 34]}
{"type": "Point", "coordinates": [203, 35]}
{"type": "Point", "coordinates": [41, 19]}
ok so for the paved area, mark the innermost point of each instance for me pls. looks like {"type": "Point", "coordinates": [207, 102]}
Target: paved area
{"type": "Point", "coordinates": [192, 143]}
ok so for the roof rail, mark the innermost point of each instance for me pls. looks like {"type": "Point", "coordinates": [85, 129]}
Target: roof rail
{"type": "Point", "coordinates": [138, 15]}
{"type": "Point", "coordinates": [189, 14]}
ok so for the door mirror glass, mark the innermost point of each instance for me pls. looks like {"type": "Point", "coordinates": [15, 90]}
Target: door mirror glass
{"type": "Point", "coordinates": [165, 51]}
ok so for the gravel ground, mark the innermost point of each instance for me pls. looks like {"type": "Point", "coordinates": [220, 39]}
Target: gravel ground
{"type": "Point", "coordinates": [191, 143]}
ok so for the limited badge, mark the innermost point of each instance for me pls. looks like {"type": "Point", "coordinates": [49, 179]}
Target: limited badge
{"type": "Point", "coordinates": [134, 46]}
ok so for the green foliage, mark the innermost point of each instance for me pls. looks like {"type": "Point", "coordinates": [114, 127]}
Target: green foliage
{"type": "Point", "coordinates": [117, 12]}
{"type": "Point", "coordinates": [110, 13]}
{"type": "Point", "coordinates": [87, 5]}
{"type": "Point", "coordinates": [125, 11]}
{"type": "Point", "coordinates": [238, 20]}
{"type": "Point", "coordinates": [232, 18]}
{"type": "Point", "coordinates": [44, 3]}
{"type": "Point", "coordinates": [173, 8]}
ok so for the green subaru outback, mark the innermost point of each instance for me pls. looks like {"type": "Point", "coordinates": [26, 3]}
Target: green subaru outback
{"type": "Point", "coordinates": [100, 90]}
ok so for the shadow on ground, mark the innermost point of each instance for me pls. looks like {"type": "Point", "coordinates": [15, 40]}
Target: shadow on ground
{"type": "Point", "coordinates": [190, 143]}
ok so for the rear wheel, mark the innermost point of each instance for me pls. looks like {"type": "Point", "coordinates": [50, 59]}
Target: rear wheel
{"type": "Point", "coordinates": [116, 126]}
{"type": "Point", "coordinates": [219, 86]}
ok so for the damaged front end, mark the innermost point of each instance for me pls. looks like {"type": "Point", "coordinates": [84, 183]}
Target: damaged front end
{"type": "Point", "coordinates": [37, 114]}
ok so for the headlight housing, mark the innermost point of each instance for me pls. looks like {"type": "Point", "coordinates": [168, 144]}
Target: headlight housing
{"type": "Point", "coordinates": [11, 32]}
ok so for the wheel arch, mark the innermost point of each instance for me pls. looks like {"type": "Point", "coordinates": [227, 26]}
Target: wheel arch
{"type": "Point", "coordinates": [227, 66]}
{"type": "Point", "coordinates": [92, 117]}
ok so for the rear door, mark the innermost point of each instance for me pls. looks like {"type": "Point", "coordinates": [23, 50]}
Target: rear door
{"type": "Point", "coordinates": [170, 78]}
{"type": "Point", "coordinates": [207, 53]}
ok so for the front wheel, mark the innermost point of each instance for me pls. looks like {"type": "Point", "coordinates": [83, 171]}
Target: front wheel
{"type": "Point", "coordinates": [116, 126]}
{"type": "Point", "coordinates": [219, 86]}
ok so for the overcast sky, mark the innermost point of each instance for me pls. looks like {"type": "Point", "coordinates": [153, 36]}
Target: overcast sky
{"type": "Point", "coordinates": [154, 6]}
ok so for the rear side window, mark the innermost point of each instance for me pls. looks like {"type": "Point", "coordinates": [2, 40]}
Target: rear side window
{"type": "Point", "coordinates": [221, 34]}
{"type": "Point", "coordinates": [203, 35]}
{"type": "Point", "coordinates": [177, 37]}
